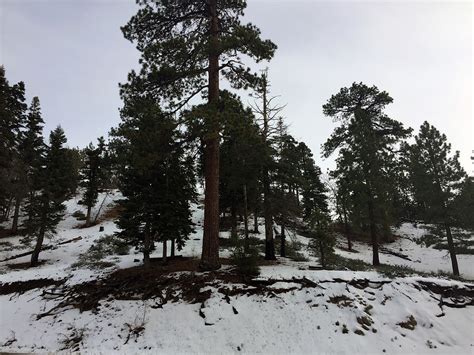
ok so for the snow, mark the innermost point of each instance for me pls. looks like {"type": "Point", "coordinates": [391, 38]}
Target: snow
{"type": "Point", "coordinates": [296, 319]}
{"type": "Point", "coordinates": [424, 259]}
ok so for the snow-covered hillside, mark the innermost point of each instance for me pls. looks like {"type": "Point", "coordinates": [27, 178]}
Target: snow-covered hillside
{"type": "Point", "coordinates": [287, 309]}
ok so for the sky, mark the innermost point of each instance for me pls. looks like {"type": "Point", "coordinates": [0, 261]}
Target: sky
{"type": "Point", "coordinates": [72, 55]}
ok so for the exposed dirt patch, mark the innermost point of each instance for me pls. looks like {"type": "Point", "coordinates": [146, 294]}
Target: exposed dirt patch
{"type": "Point", "coordinates": [451, 296]}
{"type": "Point", "coordinates": [341, 301]}
{"type": "Point", "coordinates": [23, 286]}
{"type": "Point", "coordinates": [409, 324]}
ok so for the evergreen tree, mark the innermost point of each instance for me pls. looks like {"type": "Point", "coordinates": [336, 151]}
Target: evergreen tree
{"type": "Point", "coordinates": [12, 110]}
{"type": "Point", "coordinates": [185, 47]}
{"type": "Point", "coordinates": [241, 161]}
{"type": "Point", "coordinates": [93, 175]}
{"type": "Point", "coordinates": [437, 178]}
{"type": "Point", "coordinates": [31, 150]}
{"type": "Point", "coordinates": [322, 239]}
{"type": "Point", "coordinates": [156, 178]}
{"type": "Point", "coordinates": [366, 137]}
{"type": "Point", "coordinates": [51, 184]}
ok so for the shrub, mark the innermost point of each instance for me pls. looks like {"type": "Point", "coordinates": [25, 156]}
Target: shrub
{"type": "Point", "coordinates": [79, 215]}
{"type": "Point", "coordinates": [103, 247]}
{"type": "Point", "coordinates": [246, 263]}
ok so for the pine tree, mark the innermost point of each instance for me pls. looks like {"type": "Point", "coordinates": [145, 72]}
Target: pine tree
{"type": "Point", "coordinates": [12, 110]}
{"type": "Point", "coordinates": [51, 184]}
{"type": "Point", "coordinates": [365, 138]}
{"type": "Point", "coordinates": [156, 178]}
{"type": "Point", "coordinates": [93, 175]}
{"type": "Point", "coordinates": [437, 178]}
{"type": "Point", "coordinates": [185, 48]}
{"type": "Point", "coordinates": [240, 165]}
{"type": "Point", "coordinates": [31, 149]}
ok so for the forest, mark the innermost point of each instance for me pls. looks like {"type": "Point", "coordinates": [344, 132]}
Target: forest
{"type": "Point", "coordinates": [190, 144]}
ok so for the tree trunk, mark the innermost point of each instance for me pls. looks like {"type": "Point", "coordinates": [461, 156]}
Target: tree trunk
{"type": "Point", "coordinates": [165, 251]}
{"type": "Point", "coordinates": [16, 215]}
{"type": "Point", "coordinates": [452, 250]}
{"type": "Point", "coordinates": [321, 251]}
{"type": "Point", "coordinates": [233, 221]}
{"type": "Point", "coordinates": [146, 246]}
{"type": "Point", "coordinates": [7, 211]}
{"type": "Point", "coordinates": [39, 242]}
{"type": "Point", "coordinates": [283, 240]}
{"type": "Point", "coordinates": [246, 222]}
{"type": "Point", "coordinates": [173, 248]}
{"type": "Point", "coordinates": [88, 216]}
{"type": "Point", "coordinates": [210, 243]}
{"type": "Point", "coordinates": [269, 242]}
{"type": "Point", "coordinates": [255, 221]}
{"type": "Point", "coordinates": [346, 229]}
{"type": "Point", "coordinates": [373, 232]}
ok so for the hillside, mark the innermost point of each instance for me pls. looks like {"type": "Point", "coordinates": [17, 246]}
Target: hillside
{"type": "Point", "coordinates": [102, 300]}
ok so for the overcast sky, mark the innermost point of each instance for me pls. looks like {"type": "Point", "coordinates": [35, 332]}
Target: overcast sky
{"type": "Point", "coordinates": [72, 55]}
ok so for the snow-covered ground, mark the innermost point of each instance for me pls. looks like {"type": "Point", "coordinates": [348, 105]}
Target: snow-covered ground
{"type": "Point", "coordinates": [422, 258]}
{"type": "Point", "coordinates": [297, 310]}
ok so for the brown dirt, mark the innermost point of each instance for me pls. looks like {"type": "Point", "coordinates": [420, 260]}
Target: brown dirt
{"type": "Point", "coordinates": [178, 280]}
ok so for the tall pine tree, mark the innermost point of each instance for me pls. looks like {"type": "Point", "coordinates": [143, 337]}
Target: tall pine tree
{"type": "Point", "coordinates": [185, 48]}
{"type": "Point", "coordinates": [437, 178]}
{"type": "Point", "coordinates": [51, 185]}
{"type": "Point", "coordinates": [365, 137]}
{"type": "Point", "coordinates": [156, 178]}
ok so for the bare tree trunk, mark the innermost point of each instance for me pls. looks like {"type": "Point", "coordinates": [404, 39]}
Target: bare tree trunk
{"type": "Point", "coordinates": [8, 209]}
{"type": "Point", "coordinates": [323, 257]}
{"type": "Point", "coordinates": [283, 240]}
{"type": "Point", "coordinates": [173, 247]}
{"type": "Point", "coordinates": [452, 250]}
{"type": "Point", "coordinates": [373, 232]}
{"type": "Point", "coordinates": [146, 246]}
{"type": "Point", "coordinates": [39, 242]}
{"type": "Point", "coordinates": [165, 251]}
{"type": "Point", "coordinates": [88, 216]}
{"type": "Point", "coordinates": [346, 229]}
{"type": "Point", "coordinates": [210, 244]}
{"type": "Point", "coordinates": [16, 215]}
{"type": "Point", "coordinates": [246, 222]}
{"type": "Point", "coordinates": [269, 241]}
{"type": "Point", "coordinates": [233, 221]}
{"type": "Point", "coordinates": [255, 220]}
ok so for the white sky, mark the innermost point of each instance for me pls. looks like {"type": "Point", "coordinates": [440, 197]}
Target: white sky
{"type": "Point", "coordinates": [72, 55]}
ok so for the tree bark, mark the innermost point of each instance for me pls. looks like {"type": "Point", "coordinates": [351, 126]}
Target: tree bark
{"type": "Point", "coordinates": [165, 251]}
{"type": "Point", "coordinates": [39, 242]}
{"type": "Point", "coordinates": [346, 229]}
{"type": "Point", "coordinates": [283, 240]}
{"type": "Point", "coordinates": [246, 222]}
{"type": "Point", "coordinates": [233, 221]}
{"type": "Point", "coordinates": [173, 247]}
{"type": "Point", "coordinates": [373, 232]}
{"type": "Point", "coordinates": [452, 250]}
{"type": "Point", "coordinates": [269, 241]}
{"type": "Point", "coordinates": [323, 257]}
{"type": "Point", "coordinates": [16, 215]}
{"type": "Point", "coordinates": [146, 246]}
{"type": "Point", "coordinates": [88, 216]}
{"type": "Point", "coordinates": [210, 243]}
{"type": "Point", "coordinates": [255, 220]}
